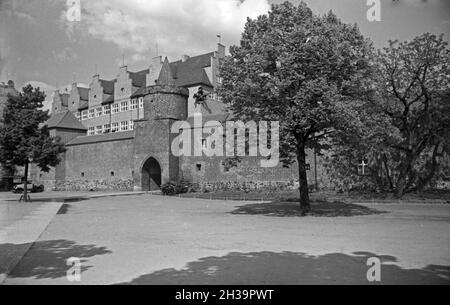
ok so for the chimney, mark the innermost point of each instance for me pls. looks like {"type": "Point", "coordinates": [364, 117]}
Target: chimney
{"type": "Point", "coordinates": [155, 70]}
{"type": "Point", "coordinates": [123, 69]}
{"type": "Point", "coordinates": [185, 58]}
{"type": "Point", "coordinates": [221, 50]}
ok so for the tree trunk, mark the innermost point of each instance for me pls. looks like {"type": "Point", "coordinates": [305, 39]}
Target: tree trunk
{"type": "Point", "coordinates": [402, 182]}
{"type": "Point", "coordinates": [303, 178]}
{"type": "Point", "coordinates": [25, 186]}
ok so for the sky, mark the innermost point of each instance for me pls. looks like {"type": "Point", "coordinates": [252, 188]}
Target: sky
{"type": "Point", "coordinates": [40, 45]}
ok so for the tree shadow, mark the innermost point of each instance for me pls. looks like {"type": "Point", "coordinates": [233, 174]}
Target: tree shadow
{"type": "Point", "coordinates": [320, 208]}
{"type": "Point", "coordinates": [47, 259]}
{"type": "Point", "coordinates": [287, 268]}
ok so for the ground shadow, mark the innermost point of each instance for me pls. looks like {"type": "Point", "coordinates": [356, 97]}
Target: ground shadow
{"type": "Point", "coordinates": [47, 259]}
{"type": "Point", "coordinates": [287, 268]}
{"type": "Point", "coordinates": [292, 209]}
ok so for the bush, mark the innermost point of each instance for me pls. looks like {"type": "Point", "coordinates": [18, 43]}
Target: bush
{"type": "Point", "coordinates": [173, 188]}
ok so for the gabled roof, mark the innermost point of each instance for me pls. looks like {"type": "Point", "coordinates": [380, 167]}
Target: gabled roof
{"type": "Point", "coordinates": [192, 71]}
{"type": "Point", "coordinates": [64, 120]}
{"type": "Point", "coordinates": [110, 137]}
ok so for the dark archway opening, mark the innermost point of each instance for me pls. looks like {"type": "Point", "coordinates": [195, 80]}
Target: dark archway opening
{"type": "Point", "coordinates": [151, 175]}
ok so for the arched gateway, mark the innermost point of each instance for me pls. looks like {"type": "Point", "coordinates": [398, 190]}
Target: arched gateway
{"type": "Point", "coordinates": [151, 175]}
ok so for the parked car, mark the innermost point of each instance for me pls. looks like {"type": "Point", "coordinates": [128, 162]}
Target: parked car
{"type": "Point", "coordinates": [32, 188]}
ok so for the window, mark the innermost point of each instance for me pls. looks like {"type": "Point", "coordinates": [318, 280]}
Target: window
{"type": "Point", "coordinates": [199, 167]}
{"type": "Point", "coordinates": [92, 113]}
{"type": "Point", "coordinates": [308, 167]}
{"type": "Point", "coordinates": [141, 103]}
{"type": "Point", "coordinates": [84, 115]}
{"type": "Point", "coordinates": [124, 106]}
{"type": "Point", "coordinates": [112, 174]}
{"type": "Point", "coordinates": [91, 131]}
{"type": "Point", "coordinates": [204, 144]}
{"type": "Point", "coordinates": [134, 104]}
{"type": "Point", "coordinates": [99, 112]}
{"type": "Point", "coordinates": [82, 175]}
{"type": "Point", "coordinates": [124, 126]}
{"type": "Point", "coordinates": [107, 128]}
{"type": "Point", "coordinates": [99, 130]}
{"type": "Point", "coordinates": [363, 168]}
{"type": "Point", "coordinates": [107, 109]}
{"type": "Point", "coordinates": [115, 127]}
{"type": "Point", "coordinates": [115, 108]}
{"type": "Point", "coordinates": [78, 116]}
{"type": "Point", "coordinates": [132, 125]}
{"type": "Point", "coordinates": [219, 80]}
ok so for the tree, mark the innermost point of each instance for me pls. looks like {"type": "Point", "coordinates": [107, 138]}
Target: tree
{"type": "Point", "coordinates": [300, 70]}
{"type": "Point", "coordinates": [24, 140]}
{"type": "Point", "coordinates": [404, 126]}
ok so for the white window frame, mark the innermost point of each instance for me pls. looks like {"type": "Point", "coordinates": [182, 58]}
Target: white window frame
{"type": "Point", "coordinates": [115, 127]}
{"type": "Point", "coordinates": [106, 128]}
{"type": "Point", "coordinates": [124, 126]}
{"type": "Point", "coordinates": [91, 113]}
{"type": "Point", "coordinates": [134, 104]}
{"type": "Point", "coordinates": [99, 130]}
{"type": "Point", "coordinates": [107, 110]}
{"type": "Point", "coordinates": [78, 116]}
{"type": "Point", "coordinates": [98, 112]}
{"type": "Point", "coordinates": [124, 106]}
{"type": "Point", "coordinates": [115, 109]}
{"type": "Point", "coordinates": [91, 131]}
{"type": "Point", "coordinates": [141, 103]}
{"type": "Point", "coordinates": [84, 115]}
{"type": "Point", "coordinates": [131, 126]}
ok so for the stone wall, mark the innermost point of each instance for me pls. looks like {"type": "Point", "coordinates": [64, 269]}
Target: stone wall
{"type": "Point", "coordinates": [99, 166]}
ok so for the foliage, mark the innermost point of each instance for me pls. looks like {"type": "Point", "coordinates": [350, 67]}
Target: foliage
{"type": "Point", "coordinates": [174, 188]}
{"type": "Point", "coordinates": [298, 69]}
{"type": "Point", "coordinates": [24, 139]}
{"type": "Point", "coordinates": [404, 126]}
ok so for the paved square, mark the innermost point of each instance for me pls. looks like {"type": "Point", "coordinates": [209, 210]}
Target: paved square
{"type": "Point", "coordinates": [158, 240]}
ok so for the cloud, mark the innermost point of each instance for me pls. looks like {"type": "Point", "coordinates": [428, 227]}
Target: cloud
{"type": "Point", "coordinates": [175, 26]}
{"type": "Point", "coordinates": [66, 54]}
{"type": "Point", "coordinates": [15, 9]}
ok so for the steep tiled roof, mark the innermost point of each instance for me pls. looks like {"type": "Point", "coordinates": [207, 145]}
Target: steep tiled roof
{"type": "Point", "coordinates": [83, 105]}
{"type": "Point", "coordinates": [84, 93]}
{"type": "Point", "coordinates": [191, 72]}
{"type": "Point", "coordinates": [65, 120]}
{"type": "Point", "coordinates": [119, 136]}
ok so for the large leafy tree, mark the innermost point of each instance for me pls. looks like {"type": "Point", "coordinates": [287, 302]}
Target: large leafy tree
{"type": "Point", "coordinates": [404, 127]}
{"type": "Point", "coordinates": [299, 69]}
{"type": "Point", "coordinates": [24, 139]}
